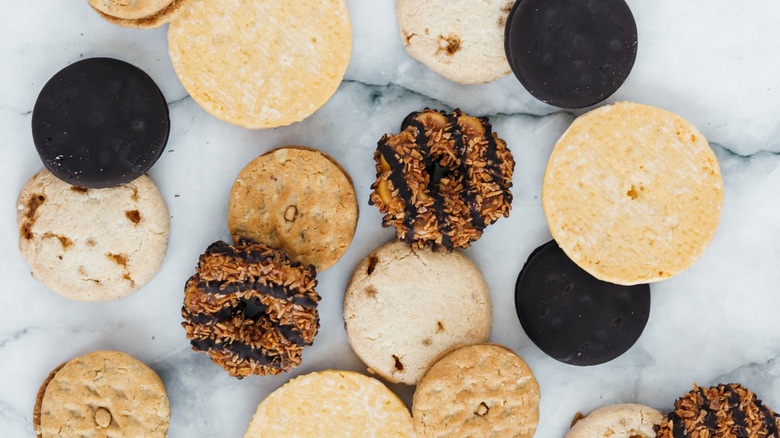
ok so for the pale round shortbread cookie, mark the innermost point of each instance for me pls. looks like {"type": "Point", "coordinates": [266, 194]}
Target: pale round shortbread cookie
{"type": "Point", "coordinates": [298, 200]}
{"type": "Point", "coordinates": [402, 308]}
{"type": "Point", "coordinates": [102, 394]}
{"type": "Point", "coordinates": [92, 244]}
{"type": "Point", "coordinates": [138, 14]}
{"type": "Point", "coordinates": [261, 63]}
{"type": "Point", "coordinates": [632, 193]}
{"type": "Point", "coordinates": [331, 403]}
{"type": "Point", "coordinates": [462, 40]}
{"type": "Point", "coordinates": [480, 390]}
{"type": "Point", "coordinates": [625, 420]}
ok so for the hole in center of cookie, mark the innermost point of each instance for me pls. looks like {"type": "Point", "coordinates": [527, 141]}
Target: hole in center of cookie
{"type": "Point", "coordinates": [437, 172]}
{"type": "Point", "coordinates": [102, 417]}
{"type": "Point", "coordinates": [253, 308]}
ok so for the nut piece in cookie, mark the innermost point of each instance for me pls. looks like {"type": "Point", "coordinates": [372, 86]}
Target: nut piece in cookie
{"type": "Point", "coordinates": [92, 244]}
{"type": "Point", "coordinates": [102, 394]}
{"type": "Point", "coordinates": [138, 14]}
{"type": "Point", "coordinates": [625, 420]}
{"type": "Point", "coordinates": [477, 391]}
{"type": "Point", "coordinates": [250, 309]}
{"type": "Point", "coordinates": [722, 411]}
{"type": "Point", "coordinates": [331, 403]}
{"type": "Point", "coordinates": [298, 200]}
{"type": "Point", "coordinates": [403, 307]}
{"type": "Point", "coordinates": [632, 193]}
{"type": "Point", "coordinates": [461, 40]}
{"type": "Point", "coordinates": [442, 179]}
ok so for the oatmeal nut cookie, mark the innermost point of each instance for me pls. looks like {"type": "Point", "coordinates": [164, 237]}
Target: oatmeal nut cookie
{"type": "Point", "coordinates": [624, 420]}
{"type": "Point", "coordinates": [102, 394]}
{"type": "Point", "coordinates": [722, 411]}
{"type": "Point", "coordinates": [250, 309]}
{"type": "Point", "coordinates": [443, 179]}
{"type": "Point", "coordinates": [138, 14]}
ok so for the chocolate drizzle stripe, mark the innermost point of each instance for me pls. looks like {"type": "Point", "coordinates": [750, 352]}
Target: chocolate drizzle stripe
{"type": "Point", "coordinates": [396, 177]}
{"type": "Point", "coordinates": [290, 332]}
{"type": "Point", "coordinates": [239, 349]}
{"type": "Point", "coordinates": [469, 192]}
{"type": "Point", "coordinates": [493, 164]}
{"type": "Point", "coordinates": [740, 422]}
{"type": "Point", "coordinates": [275, 291]}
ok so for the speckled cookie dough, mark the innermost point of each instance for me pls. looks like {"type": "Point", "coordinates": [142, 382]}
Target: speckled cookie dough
{"type": "Point", "coordinates": [462, 40]}
{"type": "Point", "coordinates": [403, 307]}
{"type": "Point", "coordinates": [298, 200]}
{"type": "Point", "coordinates": [100, 395]}
{"type": "Point", "coordinates": [481, 390]}
{"type": "Point", "coordinates": [632, 193]}
{"type": "Point", "coordinates": [331, 403]}
{"type": "Point", "coordinates": [92, 244]}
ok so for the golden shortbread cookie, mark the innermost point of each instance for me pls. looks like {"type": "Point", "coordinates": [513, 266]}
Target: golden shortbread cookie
{"type": "Point", "coordinates": [462, 40]}
{"type": "Point", "coordinates": [624, 420]}
{"type": "Point", "coordinates": [138, 14]}
{"type": "Point", "coordinates": [298, 200]}
{"type": "Point", "coordinates": [632, 193]}
{"type": "Point", "coordinates": [403, 307]}
{"type": "Point", "coordinates": [102, 394]}
{"type": "Point", "coordinates": [478, 390]}
{"type": "Point", "coordinates": [331, 403]}
{"type": "Point", "coordinates": [261, 63]}
{"type": "Point", "coordinates": [92, 244]}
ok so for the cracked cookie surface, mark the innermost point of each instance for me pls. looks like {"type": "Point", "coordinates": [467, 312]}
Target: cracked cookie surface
{"type": "Point", "coordinates": [298, 200]}
{"type": "Point", "coordinates": [403, 307]}
{"type": "Point", "coordinates": [92, 244]}
{"type": "Point", "coordinates": [102, 394]}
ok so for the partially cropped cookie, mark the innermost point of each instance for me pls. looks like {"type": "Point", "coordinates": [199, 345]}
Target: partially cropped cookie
{"type": "Point", "coordinates": [138, 14]}
{"type": "Point", "coordinates": [722, 411]}
{"type": "Point", "coordinates": [403, 307]}
{"type": "Point", "coordinates": [331, 403]}
{"type": "Point", "coordinates": [250, 309]}
{"type": "Point", "coordinates": [298, 200]}
{"type": "Point", "coordinates": [261, 63]}
{"type": "Point", "coordinates": [481, 390]}
{"type": "Point", "coordinates": [625, 420]}
{"type": "Point", "coordinates": [632, 193]}
{"type": "Point", "coordinates": [461, 40]}
{"type": "Point", "coordinates": [92, 244]}
{"type": "Point", "coordinates": [102, 394]}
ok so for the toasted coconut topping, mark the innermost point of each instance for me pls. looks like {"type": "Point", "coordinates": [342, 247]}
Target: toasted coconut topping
{"type": "Point", "coordinates": [443, 179]}
{"type": "Point", "coordinates": [250, 309]}
{"type": "Point", "coordinates": [725, 411]}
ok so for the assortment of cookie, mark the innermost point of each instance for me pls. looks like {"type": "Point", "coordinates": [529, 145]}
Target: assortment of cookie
{"type": "Point", "coordinates": [632, 195]}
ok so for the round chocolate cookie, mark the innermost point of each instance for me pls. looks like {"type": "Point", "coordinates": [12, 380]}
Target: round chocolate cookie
{"type": "Point", "coordinates": [100, 123]}
{"type": "Point", "coordinates": [571, 53]}
{"type": "Point", "coordinates": [574, 317]}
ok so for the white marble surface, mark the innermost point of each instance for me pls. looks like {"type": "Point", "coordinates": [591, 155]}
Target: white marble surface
{"type": "Point", "coordinates": [714, 62]}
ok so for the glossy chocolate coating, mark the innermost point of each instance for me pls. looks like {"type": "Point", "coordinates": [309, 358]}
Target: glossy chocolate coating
{"type": "Point", "coordinates": [100, 123]}
{"type": "Point", "coordinates": [574, 317]}
{"type": "Point", "coordinates": [571, 53]}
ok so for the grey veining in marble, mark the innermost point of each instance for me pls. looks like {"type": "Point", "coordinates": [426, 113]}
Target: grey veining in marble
{"type": "Point", "coordinates": [715, 62]}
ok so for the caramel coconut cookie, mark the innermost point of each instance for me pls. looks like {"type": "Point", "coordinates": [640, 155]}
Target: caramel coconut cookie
{"type": "Point", "coordinates": [102, 394]}
{"type": "Point", "coordinates": [331, 404]}
{"type": "Point", "coordinates": [261, 63]}
{"type": "Point", "coordinates": [298, 200]}
{"type": "Point", "coordinates": [443, 179]}
{"type": "Point", "coordinates": [403, 307]}
{"type": "Point", "coordinates": [250, 309]}
{"type": "Point", "coordinates": [138, 14]}
{"type": "Point", "coordinates": [722, 411]}
{"type": "Point", "coordinates": [481, 390]}
{"type": "Point", "coordinates": [92, 244]}
{"type": "Point", "coordinates": [632, 193]}
{"type": "Point", "coordinates": [461, 40]}
{"type": "Point", "coordinates": [625, 420]}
